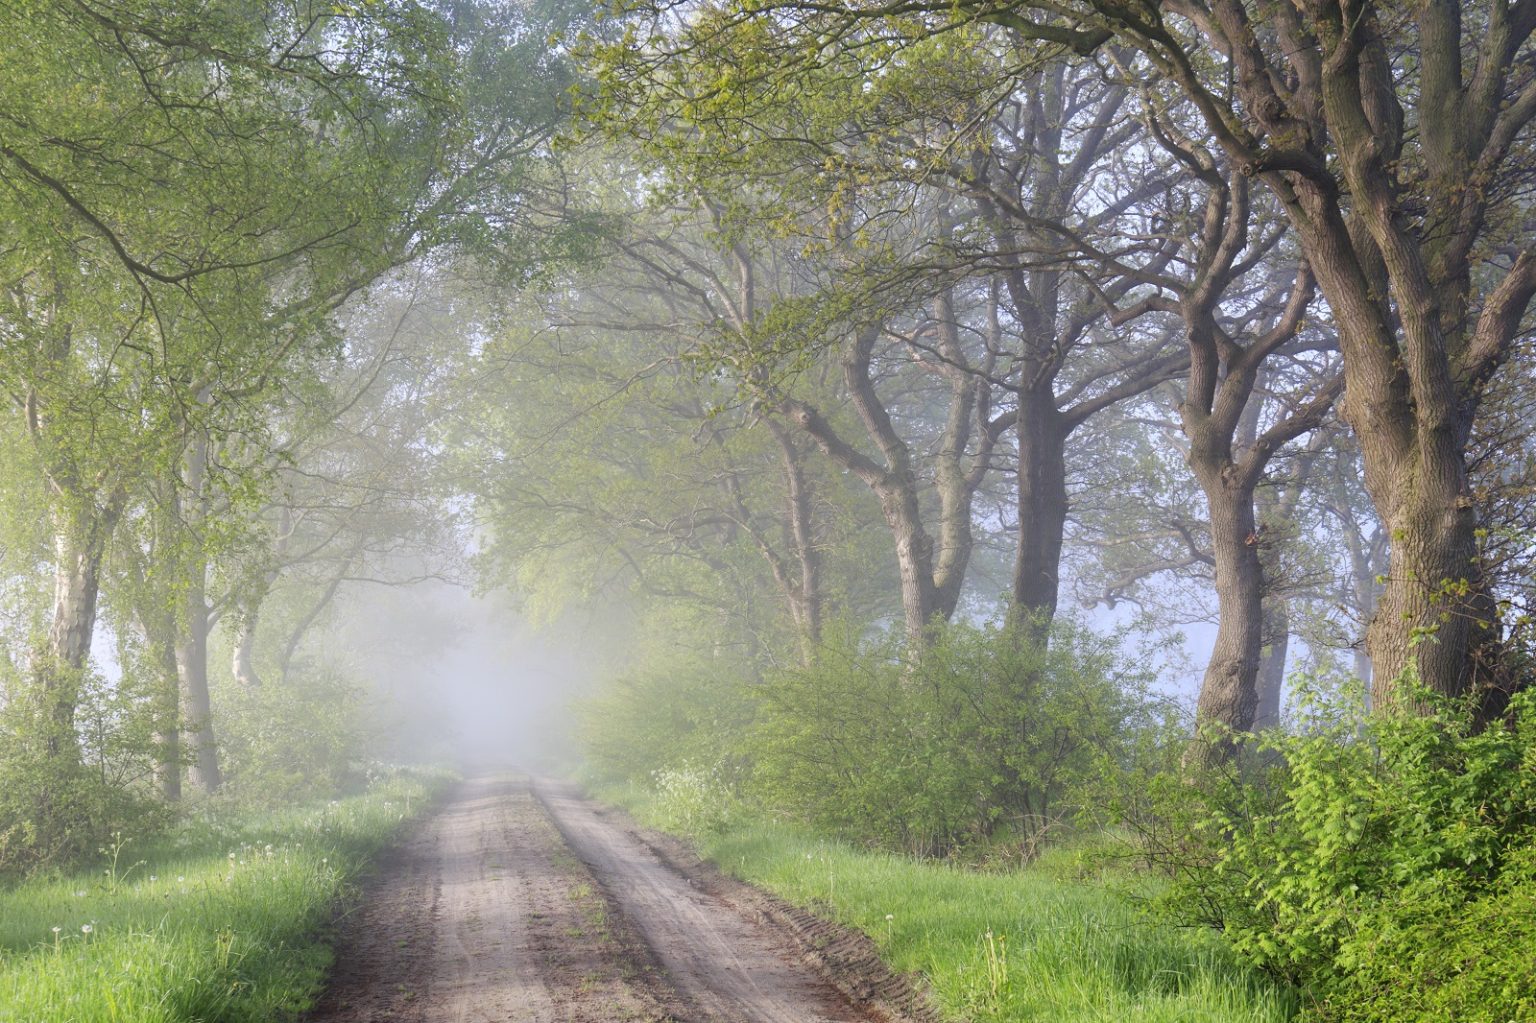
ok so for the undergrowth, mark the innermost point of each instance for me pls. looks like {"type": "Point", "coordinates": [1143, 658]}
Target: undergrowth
{"type": "Point", "coordinates": [224, 919]}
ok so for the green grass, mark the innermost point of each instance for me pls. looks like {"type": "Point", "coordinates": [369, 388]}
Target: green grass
{"type": "Point", "coordinates": [225, 920]}
{"type": "Point", "coordinates": [1025, 945]}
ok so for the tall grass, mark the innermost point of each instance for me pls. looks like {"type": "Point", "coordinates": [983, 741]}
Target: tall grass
{"type": "Point", "coordinates": [224, 920]}
{"type": "Point", "coordinates": [1010, 946]}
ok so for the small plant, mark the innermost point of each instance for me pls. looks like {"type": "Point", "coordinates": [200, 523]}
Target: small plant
{"type": "Point", "coordinates": [693, 800]}
{"type": "Point", "coordinates": [116, 874]}
{"type": "Point", "coordinates": [988, 739]}
{"type": "Point", "coordinates": [995, 952]}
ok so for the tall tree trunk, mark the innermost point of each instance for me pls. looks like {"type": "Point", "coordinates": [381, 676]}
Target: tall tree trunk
{"type": "Point", "coordinates": [1435, 585]}
{"type": "Point", "coordinates": [1272, 658]}
{"type": "Point", "coordinates": [243, 660]}
{"type": "Point", "coordinates": [192, 642]}
{"type": "Point", "coordinates": [895, 485]}
{"type": "Point", "coordinates": [81, 533]}
{"type": "Point", "coordinates": [167, 709]}
{"type": "Point", "coordinates": [1420, 338]}
{"type": "Point", "coordinates": [192, 665]}
{"type": "Point", "coordinates": [805, 593]}
{"type": "Point", "coordinates": [1042, 507]}
{"type": "Point", "coordinates": [914, 555]}
{"type": "Point", "coordinates": [953, 479]}
{"type": "Point", "coordinates": [1229, 693]}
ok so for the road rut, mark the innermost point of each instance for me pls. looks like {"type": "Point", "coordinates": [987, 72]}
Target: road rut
{"type": "Point", "coordinates": [527, 902]}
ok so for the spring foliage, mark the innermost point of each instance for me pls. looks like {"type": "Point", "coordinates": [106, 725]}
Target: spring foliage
{"type": "Point", "coordinates": [986, 733]}
{"type": "Point", "coordinates": [1383, 863]}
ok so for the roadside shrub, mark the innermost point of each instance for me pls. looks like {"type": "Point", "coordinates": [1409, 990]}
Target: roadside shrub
{"type": "Point", "coordinates": [285, 742]}
{"type": "Point", "coordinates": [985, 732]}
{"type": "Point", "coordinates": [57, 807]}
{"type": "Point", "coordinates": [1383, 863]}
{"type": "Point", "coordinates": [687, 709]}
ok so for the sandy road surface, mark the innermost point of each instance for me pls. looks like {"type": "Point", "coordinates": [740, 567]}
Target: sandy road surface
{"type": "Point", "coordinates": [530, 903]}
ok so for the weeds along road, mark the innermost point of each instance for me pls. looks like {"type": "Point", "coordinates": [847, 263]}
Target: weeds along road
{"type": "Point", "coordinates": [527, 902]}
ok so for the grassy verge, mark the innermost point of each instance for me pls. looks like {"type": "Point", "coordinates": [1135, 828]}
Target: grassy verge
{"type": "Point", "coordinates": [1017, 946]}
{"type": "Point", "coordinates": [224, 920]}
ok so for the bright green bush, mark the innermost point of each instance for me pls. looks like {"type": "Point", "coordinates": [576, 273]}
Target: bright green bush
{"type": "Point", "coordinates": [1438, 950]}
{"type": "Point", "coordinates": [1383, 863]}
{"type": "Point", "coordinates": [55, 809]}
{"type": "Point", "coordinates": [688, 711]}
{"type": "Point", "coordinates": [984, 732]}
{"type": "Point", "coordinates": [289, 741]}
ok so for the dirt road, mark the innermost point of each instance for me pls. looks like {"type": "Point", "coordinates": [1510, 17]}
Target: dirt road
{"type": "Point", "coordinates": [527, 902]}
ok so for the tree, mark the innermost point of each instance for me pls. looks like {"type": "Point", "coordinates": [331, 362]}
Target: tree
{"type": "Point", "coordinates": [1399, 150]}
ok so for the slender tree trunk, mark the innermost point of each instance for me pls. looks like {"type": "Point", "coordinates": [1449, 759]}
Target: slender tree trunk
{"type": "Point", "coordinates": [804, 593]}
{"type": "Point", "coordinates": [197, 707]}
{"type": "Point", "coordinates": [167, 710]}
{"type": "Point", "coordinates": [895, 485]}
{"type": "Point", "coordinates": [58, 664]}
{"type": "Point", "coordinates": [243, 660]}
{"type": "Point", "coordinates": [955, 485]}
{"type": "Point", "coordinates": [1272, 658]}
{"type": "Point", "coordinates": [192, 641]}
{"type": "Point", "coordinates": [299, 631]}
{"type": "Point", "coordinates": [1229, 695]}
{"type": "Point", "coordinates": [914, 554]}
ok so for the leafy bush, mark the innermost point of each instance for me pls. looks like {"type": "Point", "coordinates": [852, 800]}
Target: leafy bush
{"type": "Point", "coordinates": [64, 790]}
{"type": "Point", "coordinates": [285, 742]}
{"type": "Point", "coordinates": [1384, 863]}
{"type": "Point", "coordinates": [985, 731]}
{"type": "Point", "coordinates": [688, 709]}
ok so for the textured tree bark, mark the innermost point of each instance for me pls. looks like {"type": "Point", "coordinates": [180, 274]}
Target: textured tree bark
{"type": "Point", "coordinates": [1435, 617]}
{"type": "Point", "coordinates": [1324, 117]}
{"type": "Point", "coordinates": [1042, 506]}
{"type": "Point", "coordinates": [1435, 587]}
{"type": "Point", "coordinates": [1229, 692]}
{"type": "Point", "coordinates": [80, 537]}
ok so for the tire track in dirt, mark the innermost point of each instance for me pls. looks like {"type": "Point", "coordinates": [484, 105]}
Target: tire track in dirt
{"type": "Point", "coordinates": [726, 966]}
{"type": "Point", "coordinates": [529, 903]}
{"type": "Point", "coordinates": [481, 917]}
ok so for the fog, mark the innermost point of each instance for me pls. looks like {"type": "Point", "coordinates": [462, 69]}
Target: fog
{"type": "Point", "coordinates": [466, 679]}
